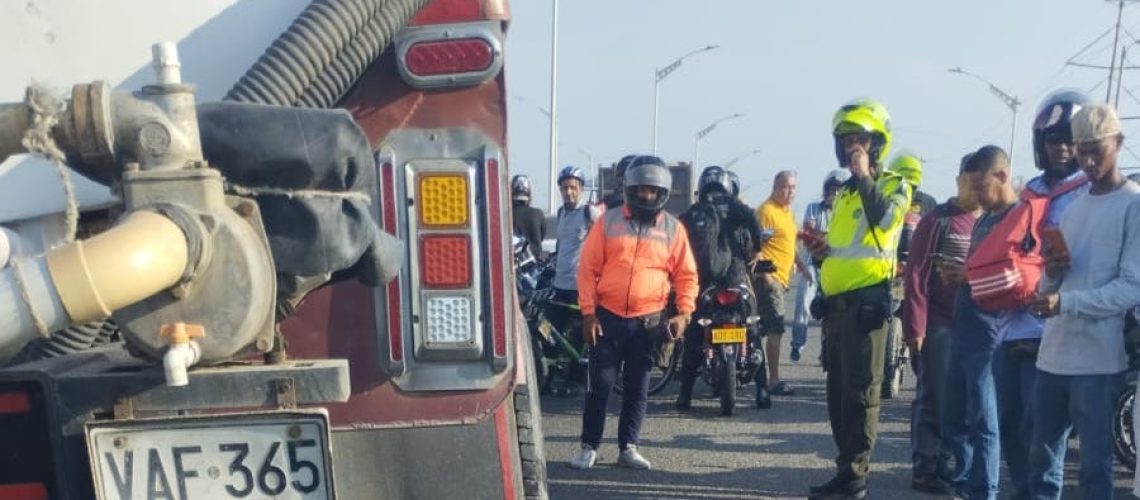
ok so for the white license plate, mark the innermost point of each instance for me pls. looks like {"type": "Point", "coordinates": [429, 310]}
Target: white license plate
{"type": "Point", "coordinates": [280, 455]}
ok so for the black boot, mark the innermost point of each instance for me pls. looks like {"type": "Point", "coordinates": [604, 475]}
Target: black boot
{"type": "Point", "coordinates": [763, 398]}
{"type": "Point", "coordinates": [840, 488]}
{"type": "Point", "coordinates": [685, 396]}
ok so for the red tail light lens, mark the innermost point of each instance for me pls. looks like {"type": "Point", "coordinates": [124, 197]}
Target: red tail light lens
{"type": "Point", "coordinates": [464, 55]}
{"type": "Point", "coordinates": [446, 261]}
{"type": "Point", "coordinates": [23, 491]}
{"type": "Point", "coordinates": [495, 247]}
{"type": "Point", "coordinates": [395, 330]}
{"type": "Point", "coordinates": [12, 403]}
{"type": "Point", "coordinates": [727, 297]}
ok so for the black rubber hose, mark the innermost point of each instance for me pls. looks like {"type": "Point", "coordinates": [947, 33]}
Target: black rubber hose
{"type": "Point", "coordinates": [67, 341]}
{"type": "Point", "coordinates": [320, 56]}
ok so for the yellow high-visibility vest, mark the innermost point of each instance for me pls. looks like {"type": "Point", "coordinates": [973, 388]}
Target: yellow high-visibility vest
{"type": "Point", "coordinates": [861, 255]}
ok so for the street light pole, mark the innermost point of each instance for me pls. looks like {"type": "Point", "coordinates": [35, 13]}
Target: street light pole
{"type": "Point", "coordinates": [1009, 100]}
{"type": "Point", "coordinates": [661, 74]}
{"type": "Point", "coordinates": [741, 156]}
{"type": "Point", "coordinates": [701, 135]}
{"type": "Point", "coordinates": [553, 105]}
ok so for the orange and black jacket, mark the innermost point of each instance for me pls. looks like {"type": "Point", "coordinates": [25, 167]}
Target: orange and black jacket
{"type": "Point", "coordinates": [628, 267]}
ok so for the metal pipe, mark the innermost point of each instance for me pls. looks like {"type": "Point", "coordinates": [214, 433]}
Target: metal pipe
{"type": "Point", "coordinates": [88, 280]}
{"type": "Point", "coordinates": [554, 108]}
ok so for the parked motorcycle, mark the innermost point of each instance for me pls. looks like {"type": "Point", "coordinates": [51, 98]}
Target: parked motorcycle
{"type": "Point", "coordinates": [1123, 434]}
{"type": "Point", "coordinates": [732, 352]}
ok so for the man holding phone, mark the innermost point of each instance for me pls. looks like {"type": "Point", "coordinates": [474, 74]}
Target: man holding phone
{"type": "Point", "coordinates": [1085, 294]}
{"type": "Point", "coordinates": [1015, 360]}
{"type": "Point", "coordinates": [927, 315]}
{"type": "Point", "coordinates": [859, 262]}
{"type": "Point", "coordinates": [630, 260]}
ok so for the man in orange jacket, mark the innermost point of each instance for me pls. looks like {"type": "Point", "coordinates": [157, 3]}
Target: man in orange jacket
{"type": "Point", "coordinates": [628, 264]}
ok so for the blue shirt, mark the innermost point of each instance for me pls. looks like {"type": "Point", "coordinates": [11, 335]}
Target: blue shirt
{"type": "Point", "coordinates": [1021, 324]}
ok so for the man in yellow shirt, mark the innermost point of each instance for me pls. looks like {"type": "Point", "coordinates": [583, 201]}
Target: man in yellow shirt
{"type": "Point", "coordinates": [775, 217]}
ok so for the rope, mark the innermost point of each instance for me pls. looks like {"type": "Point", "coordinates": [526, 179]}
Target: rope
{"type": "Point", "coordinates": [298, 193]}
{"type": "Point", "coordinates": [26, 296]}
{"type": "Point", "coordinates": [46, 110]}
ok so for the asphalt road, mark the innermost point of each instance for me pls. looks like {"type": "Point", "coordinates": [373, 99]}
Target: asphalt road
{"type": "Point", "coordinates": [774, 453]}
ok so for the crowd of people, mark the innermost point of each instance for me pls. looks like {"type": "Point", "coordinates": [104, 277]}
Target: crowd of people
{"type": "Point", "coordinates": [1012, 303]}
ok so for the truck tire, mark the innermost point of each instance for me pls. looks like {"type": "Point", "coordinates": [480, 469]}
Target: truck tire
{"type": "Point", "coordinates": [528, 422]}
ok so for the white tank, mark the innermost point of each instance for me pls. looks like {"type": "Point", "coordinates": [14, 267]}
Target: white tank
{"type": "Point", "coordinates": [64, 42]}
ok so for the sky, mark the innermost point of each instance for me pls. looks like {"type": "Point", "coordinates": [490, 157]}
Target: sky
{"type": "Point", "coordinates": [787, 66]}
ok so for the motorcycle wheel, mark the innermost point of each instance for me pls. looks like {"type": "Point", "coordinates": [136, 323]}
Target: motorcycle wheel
{"type": "Point", "coordinates": [892, 369]}
{"type": "Point", "coordinates": [1123, 436]}
{"type": "Point", "coordinates": [726, 382]}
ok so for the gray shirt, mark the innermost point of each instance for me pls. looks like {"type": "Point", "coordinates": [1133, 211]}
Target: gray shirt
{"type": "Point", "coordinates": [1103, 236]}
{"type": "Point", "coordinates": [572, 229]}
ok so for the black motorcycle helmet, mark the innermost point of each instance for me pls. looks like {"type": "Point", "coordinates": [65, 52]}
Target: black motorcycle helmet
{"type": "Point", "coordinates": [520, 188]}
{"type": "Point", "coordinates": [1054, 119]}
{"type": "Point", "coordinates": [735, 181]}
{"type": "Point", "coordinates": [647, 171]}
{"type": "Point", "coordinates": [713, 179]}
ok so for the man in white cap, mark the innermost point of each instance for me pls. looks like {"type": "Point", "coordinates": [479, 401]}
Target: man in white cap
{"type": "Point", "coordinates": [1092, 280]}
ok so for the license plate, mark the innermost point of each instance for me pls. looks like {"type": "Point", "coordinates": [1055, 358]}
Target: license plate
{"type": "Point", "coordinates": [734, 335]}
{"type": "Point", "coordinates": [280, 455]}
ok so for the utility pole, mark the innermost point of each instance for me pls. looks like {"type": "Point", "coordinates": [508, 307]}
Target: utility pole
{"type": "Point", "coordinates": [1010, 101]}
{"type": "Point", "coordinates": [1115, 44]}
{"type": "Point", "coordinates": [554, 106]}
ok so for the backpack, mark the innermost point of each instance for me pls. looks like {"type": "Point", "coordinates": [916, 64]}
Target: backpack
{"type": "Point", "coordinates": [704, 222]}
{"type": "Point", "coordinates": [1005, 268]}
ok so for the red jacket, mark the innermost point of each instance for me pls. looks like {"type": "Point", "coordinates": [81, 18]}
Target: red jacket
{"type": "Point", "coordinates": [629, 268]}
{"type": "Point", "coordinates": [930, 302]}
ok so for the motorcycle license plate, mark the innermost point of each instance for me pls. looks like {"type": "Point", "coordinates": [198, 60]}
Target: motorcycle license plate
{"type": "Point", "coordinates": [734, 335]}
{"type": "Point", "coordinates": [268, 455]}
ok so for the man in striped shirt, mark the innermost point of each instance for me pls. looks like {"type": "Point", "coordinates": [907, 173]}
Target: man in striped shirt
{"type": "Point", "coordinates": [928, 311]}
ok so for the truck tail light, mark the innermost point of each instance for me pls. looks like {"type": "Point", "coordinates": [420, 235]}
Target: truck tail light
{"type": "Point", "coordinates": [449, 57]}
{"type": "Point", "coordinates": [445, 261]}
{"type": "Point", "coordinates": [14, 403]}
{"type": "Point", "coordinates": [23, 491]}
{"type": "Point", "coordinates": [496, 262]}
{"type": "Point", "coordinates": [27, 469]}
{"type": "Point", "coordinates": [392, 295]}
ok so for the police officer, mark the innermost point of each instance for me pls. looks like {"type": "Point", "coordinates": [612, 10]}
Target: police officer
{"type": "Point", "coordinates": [858, 258]}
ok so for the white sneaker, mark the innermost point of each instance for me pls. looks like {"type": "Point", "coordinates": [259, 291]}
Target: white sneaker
{"type": "Point", "coordinates": [631, 458]}
{"type": "Point", "coordinates": [585, 458]}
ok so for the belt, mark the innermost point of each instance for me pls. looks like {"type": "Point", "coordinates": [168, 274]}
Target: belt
{"type": "Point", "coordinates": [851, 299]}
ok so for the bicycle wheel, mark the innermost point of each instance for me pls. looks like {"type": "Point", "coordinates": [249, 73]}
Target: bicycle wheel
{"type": "Point", "coordinates": [661, 373]}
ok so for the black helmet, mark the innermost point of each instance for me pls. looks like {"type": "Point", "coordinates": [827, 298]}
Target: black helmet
{"type": "Point", "coordinates": [520, 188]}
{"type": "Point", "coordinates": [648, 172]}
{"type": "Point", "coordinates": [735, 181]}
{"type": "Point", "coordinates": [622, 165]}
{"type": "Point", "coordinates": [1054, 119]}
{"type": "Point", "coordinates": [713, 179]}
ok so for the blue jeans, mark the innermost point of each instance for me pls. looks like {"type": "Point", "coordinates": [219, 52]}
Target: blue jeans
{"type": "Point", "coordinates": [1014, 373]}
{"type": "Point", "coordinates": [931, 366]}
{"type": "Point", "coordinates": [804, 295]}
{"type": "Point", "coordinates": [970, 425]}
{"type": "Point", "coordinates": [1059, 401]}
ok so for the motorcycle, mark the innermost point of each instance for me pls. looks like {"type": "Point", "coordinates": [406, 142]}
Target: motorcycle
{"type": "Point", "coordinates": [732, 353]}
{"type": "Point", "coordinates": [897, 357]}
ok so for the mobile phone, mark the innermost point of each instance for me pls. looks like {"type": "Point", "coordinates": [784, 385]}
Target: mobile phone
{"type": "Point", "coordinates": [810, 237]}
{"type": "Point", "coordinates": [1055, 240]}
